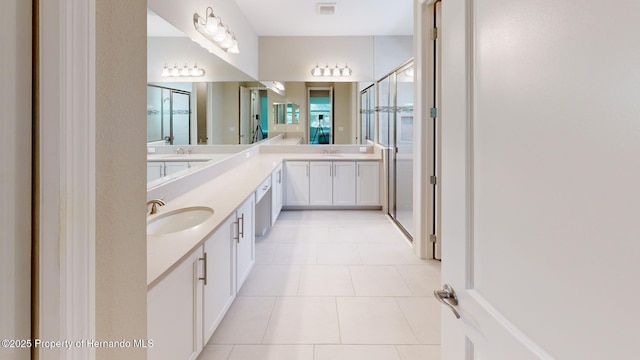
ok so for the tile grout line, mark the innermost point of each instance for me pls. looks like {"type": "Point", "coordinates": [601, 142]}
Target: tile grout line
{"type": "Point", "coordinates": [404, 316]}
{"type": "Point", "coordinates": [335, 299]}
{"type": "Point", "coordinates": [275, 300]}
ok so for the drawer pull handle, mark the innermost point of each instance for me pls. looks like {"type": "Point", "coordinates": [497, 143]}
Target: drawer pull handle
{"type": "Point", "coordinates": [205, 268]}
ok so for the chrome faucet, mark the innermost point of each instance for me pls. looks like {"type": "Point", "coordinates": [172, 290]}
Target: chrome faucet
{"type": "Point", "coordinates": [154, 205]}
{"type": "Point", "coordinates": [180, 151]}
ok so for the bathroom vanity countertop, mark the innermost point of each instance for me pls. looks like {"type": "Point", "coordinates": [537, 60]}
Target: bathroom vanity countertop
{"type": "Point", "coordinates": [224, 194]}
{"type": "Point", "coordinates": [186, 157]}
{"type": "Point", "coordinates": [294, 140]}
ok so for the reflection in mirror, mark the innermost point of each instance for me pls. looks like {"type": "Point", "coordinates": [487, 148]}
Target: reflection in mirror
{"type": "Point", "coordinates": [320, 115]}
{"type": "Point", "coordinates": [286, 113]}
{"type": "Point", "coordinates": [168, 115]}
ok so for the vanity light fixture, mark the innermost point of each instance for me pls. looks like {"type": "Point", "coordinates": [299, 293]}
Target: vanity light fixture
{"type": "Point", "coordinates": [335, 72]}
{"type": "Point", "coordinates": [212, 28]}
{"type": "Point", "coordinates": [316, 71]}
{"type": "Point", "coordinates": [182, 72]}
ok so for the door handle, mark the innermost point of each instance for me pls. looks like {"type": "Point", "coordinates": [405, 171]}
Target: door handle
{"type": "Point", "coordinates": [237, 238]}
{"type": "Point", "coordinates": [448, 297]}
{"type": "Point", "coordinates": [205, 268]}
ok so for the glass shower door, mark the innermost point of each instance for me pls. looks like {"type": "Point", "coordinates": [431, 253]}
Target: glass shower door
{"type": "Point", "coordinates": [385, 101]}
{"type": "Point", "coordinates": [403, 139]}
{"type": "Point", "coordinates": [180, 117]}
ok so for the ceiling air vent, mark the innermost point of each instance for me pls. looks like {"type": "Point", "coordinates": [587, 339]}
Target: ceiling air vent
{"type": "Point", "coordinates": [326, 8]}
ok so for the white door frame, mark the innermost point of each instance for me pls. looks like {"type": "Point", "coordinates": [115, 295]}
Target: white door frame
{"type": "Point", "coordinates": [423, 153]}
{"type": "Point", "coordinates": [66, 182]}
{"type": "Point", "coordinates": [15, 174]}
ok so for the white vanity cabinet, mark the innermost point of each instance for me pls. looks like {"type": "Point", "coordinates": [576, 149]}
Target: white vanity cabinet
{"type": "Point", "coordinates": [155, 170]}
{"type": "Point", "coordinates": [344, 183]}
{"type": "Point", "coordinates": [320, 183]}
{"type": "Point", "coordinates": [174, 312]}
{"type": "Point", "coordinates": [172, 167]}
{"type": "Point", "coordinates": [277, 189]}
{"type": "Point", "coordinates": [186, 306]}
{"type": "Point", "coordinates": [219, 290]}
{"type": "Point", "coordinates": [158, 169]}
{"type": "Point", "coordinates": [332, 183]}
{"type": "Point", "coordinates": [368, 183]}
{"type": "Point", "coordinates": [297, 183]}
{"type": "Point", "coordinates": [245, 240]}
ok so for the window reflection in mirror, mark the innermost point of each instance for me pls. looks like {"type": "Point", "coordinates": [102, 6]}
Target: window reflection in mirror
{"type": "Point", "coordinates": [286, 113]}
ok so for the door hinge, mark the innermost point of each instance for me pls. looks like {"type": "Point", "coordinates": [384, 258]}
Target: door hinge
{"type": "Point", "coordinates": [434, 33]}
{"type": "Point", "coordinates": [434, 112]}
{"type": "Point", "coordinates": [433, 238]}
{"type": "Point", "coordinates": [433, 180]}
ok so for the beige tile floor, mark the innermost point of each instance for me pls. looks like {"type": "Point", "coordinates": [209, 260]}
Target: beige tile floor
{"type": "Point", "coordinates": [333, 285]}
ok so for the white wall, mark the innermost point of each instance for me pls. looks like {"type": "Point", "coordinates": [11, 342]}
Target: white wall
{"type": "Point", "coordinates": [180, 15]}
{"type": "Point", "coordinates": [15, 175]}
{"type": "Point", "coordinates": [390, 52]}
{"type": "Point", "coordinates": [230, 113]}
{"type": "Point", "coordinates": [181, 50]}
{"type": "Point", "coordinates": [121, 239]}
{"type": "Point", "coordinates": [291, 58]}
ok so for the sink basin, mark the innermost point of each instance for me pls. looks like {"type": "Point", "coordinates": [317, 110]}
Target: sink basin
{"type": "Point", "coordinates": [331, 155]}
{"type": "Point", "coordinates": [179, 220]}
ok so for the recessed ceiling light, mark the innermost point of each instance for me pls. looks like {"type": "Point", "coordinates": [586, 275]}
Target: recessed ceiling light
{"type": "Point", "coordinates": [326, 8]}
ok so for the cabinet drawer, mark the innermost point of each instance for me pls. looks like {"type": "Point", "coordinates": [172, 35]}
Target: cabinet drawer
{"type": "Point", "coordinates": [263, 188]}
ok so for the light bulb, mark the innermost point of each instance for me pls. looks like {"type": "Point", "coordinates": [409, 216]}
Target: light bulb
{"type": "Point", "coordinates": [195, 71]}
{"type": "Point", "coordinates": [175, 71]}
{"type": "Point", "coordinates": [165, 71]}
{"type": "Point", "coordinates": [316, 71]}
{"type": "Point", "coordinates": [212, 24]}
{"type": "Point", "coordinates": [346, 71]}
{"type": "Point", "coordinates": [221, 34]}
{"type": "Point", "coordinates": [234, 47]}
{"type": "Point", "coordinates": [326, 71]}
{"type": "Point", "coordinates": [336, 71]}
{"type": "Point", "coordinates": [227, 41]}
{"type": "Point", "coordinates": [184, 71]}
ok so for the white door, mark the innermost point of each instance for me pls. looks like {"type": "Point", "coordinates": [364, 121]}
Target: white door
{"type": "Point", "coordinates": [368, 183]}
{"type": "Point", "coordinates": [218, 292]}
{"type": "Point", "coordinates": [320, 183]}
{"type": "Point", "coordinates": [540, 176]}
{"type": "Point", "coordinates": [245, 116]}
{"type": "Point", "coordinates": [276, 194]}
{"type": "Point", "coordinates": [174, 312]}
{"type": "Point", "coordinates": [297, 185]}
{"type": "Point", "coordinates": [245, 240]}
{"type": "Point", "coordinates": [344, 183]}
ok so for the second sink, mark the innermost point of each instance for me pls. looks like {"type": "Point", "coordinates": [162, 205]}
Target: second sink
{"type": "Point", "coordinates": [179, 220]}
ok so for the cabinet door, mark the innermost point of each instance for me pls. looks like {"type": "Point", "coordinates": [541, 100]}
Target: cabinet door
{"type": "Point", "coordinates": [245, 240]}
{"type": "Point", "coordinates": [276, 194]}
{"type": "Point", "coordinates": [368, 183]}
{"type": "Point", "coordinates": [320, 183]}
{"type": "Point", "coordinates": [344, 183]}
{"type": "Point", "coordinates": [297, 183]}
{"type": "Point", "coordinates": [174, 312]}
{"type": "Point", "coordinates": [172, 167]}
{"type": "Point", "coordinates": [218, 291]}
{"type": "Point", "coordinates": [155, 170]}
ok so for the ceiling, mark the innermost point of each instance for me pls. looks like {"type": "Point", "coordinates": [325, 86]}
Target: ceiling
{"type": "Point", "coordinates": [299, 18]}
{"type": "Point", "coordinates": [159, 27]}
{"type": "Point", "coordinates": [351, 18]}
